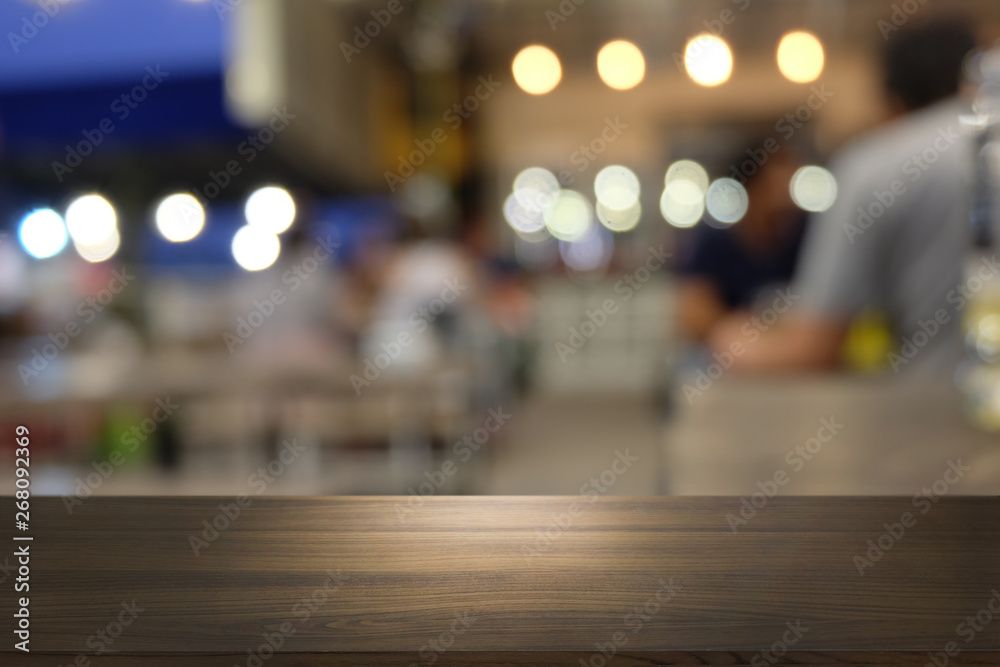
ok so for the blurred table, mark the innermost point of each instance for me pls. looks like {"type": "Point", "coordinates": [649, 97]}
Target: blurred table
{"type": "Point", "coordinates": [892, 436]}
{"type": "Point", "coordinates": [233, 411]}
{"type": "Point", "coordinates": [502, 580]}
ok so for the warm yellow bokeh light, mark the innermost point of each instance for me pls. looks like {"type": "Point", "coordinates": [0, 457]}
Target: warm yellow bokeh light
{"type": "Point", "coordinates": [708, 60]}
{"type": "Point", "coordinates": [536, 69]}
{"type": "Point", "coordinates": [621, 65]}
{"type": "Point", "coordinates": [800, 57]}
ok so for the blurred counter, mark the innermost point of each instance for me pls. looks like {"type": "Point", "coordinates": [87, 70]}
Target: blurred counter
{"type": "Point", "coordinates": [827, 435]}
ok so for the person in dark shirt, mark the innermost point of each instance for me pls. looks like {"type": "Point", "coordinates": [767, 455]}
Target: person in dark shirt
{"type": "Point", "coordinates": [724, 269]}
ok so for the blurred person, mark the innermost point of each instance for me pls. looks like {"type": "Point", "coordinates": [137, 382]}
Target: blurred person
{"type": "Point", "coordinates": [512, 310]}
{"type": "Point", "coordinates": [424, 285]}
{"type": "Point", "coordinates": [726, 269]}
{"type": "Point", "coordinates": [897, 235]}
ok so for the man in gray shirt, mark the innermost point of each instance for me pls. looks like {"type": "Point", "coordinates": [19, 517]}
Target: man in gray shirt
{"type": "Point", "coordinates": [898, 234]}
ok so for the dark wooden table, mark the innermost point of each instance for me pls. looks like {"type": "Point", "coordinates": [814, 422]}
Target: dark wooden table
{"type": "Point", "coordinates": [508, 580]}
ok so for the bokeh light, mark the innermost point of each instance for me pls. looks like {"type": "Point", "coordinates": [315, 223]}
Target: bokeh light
{"type": "Point", "coordinates": [590, 253]}
{"type": "Point", "coordinates": [42, 233]}
{"type": "Point", "coordinates": [688, 170]}
{"type": "Point", "coordinates": [708, 60]}
{"type": "Point", "coordinates": [569, 216]}
{"type": "Point", "coordinates": [617, 187]}
{"type": "Point", "coordinates": [255, 249]}
{"type": "Point", "coordinates": [102, 250]}
{"type": "Point", "coordinates": [540, 236]}
{"type": "Point", "coordinates": [619, 220]}
{"type": "Point", "coordinates": [727, 200]}
{"type": "Point", "coordinates": [536, 69]}
{"type": "Point", "coordinates": [682, 203]}
{"type": "Point", "coordinates": [180, 217]}
{"type": "Point", "coordinates": [91, 220]}
{"type": "Point", "coordinates": [800, 57]}
{"type": "Point", "coordinates": [985, 337]}
{"type": "Point", "coordinates": [813, 189]}
{"type": "Point", "coordinates": [528, 220]}
{"type": "Point", "coordinates": [270, 209]}
{"type": "Point", "coordinates": [620, 65]}
{"type": "Point", "coordinates": [535, 188]}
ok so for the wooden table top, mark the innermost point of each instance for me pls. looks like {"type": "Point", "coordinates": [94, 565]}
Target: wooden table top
{"type": "Point", "coordinates": [509, 580]}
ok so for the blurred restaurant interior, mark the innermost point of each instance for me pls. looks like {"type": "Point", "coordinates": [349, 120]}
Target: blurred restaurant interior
{"type": "Point", "coordinates": [419, 247]}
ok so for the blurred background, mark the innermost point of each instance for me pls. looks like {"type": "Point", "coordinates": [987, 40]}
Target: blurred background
{"type": "Point", "coordinates": [430, 247]}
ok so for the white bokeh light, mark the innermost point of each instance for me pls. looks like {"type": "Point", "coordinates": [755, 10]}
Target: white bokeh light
{"type": "Point", "coordinates": [102, 250]}
{"type": "Point", "coordinates": [535, 188]}
{"type": "Point", "coordinates": [569, 216]}
{"type": "Point", "coordinates": [180, 217]}
{"type": "Point", "coordinates": [617, 188]}
{"type": "Point", "coordinates": [91, 220]}
{"type": "Point", "coordinates": [540, 236]}
{"type": "Point", "coordinates": [590, 253]}
{"type": "Point", "coordinates": [813, 189]}
{"type": "Point", "coordinates": [619, 220]}
{"type": "Point", "coordinates": [42, 233]}
{"type": "Point", "coordinates": [688, 170]}
{"type": "Point", "coordinates": [536, 69]}
{"type": "Point", "coordinates": [682, 203]}
{"type": "Point", "coordinates": [522, 218]}
{"type": "Point", "coordinates": [270, 209]}
{"type": "Point", "coordinates": [727, 200]}
{"type": "Point", "coordinates": [708, 60]}
{"type": "Point", "coordinates": [621, 65]}
{"type": "Point", "coordinates": [800, 56]}
{"type": "Point", "coordinates": [255, 249]}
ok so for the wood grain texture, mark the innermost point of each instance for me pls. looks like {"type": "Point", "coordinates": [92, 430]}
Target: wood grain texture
{"type": "Point", "coordinates": [509, 580]}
